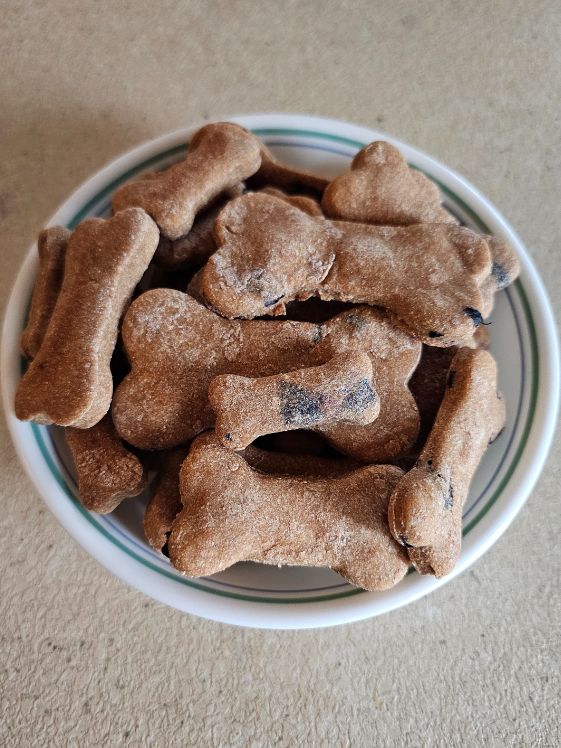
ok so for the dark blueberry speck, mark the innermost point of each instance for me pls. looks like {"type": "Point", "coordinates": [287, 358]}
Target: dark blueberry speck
{"type": "Point", "coordinates": [227, 437]}
{"type": "Point", "coordinates": [449, 500]}
{"type": "Point", "coordinates": [318, 334]}
{"type": "Point", "coordinates": [298, 406]}
{"type": "Point", "coordinates": [500, 275]}
{"type": "Point", "coordinates": [272, 302]}
{"type": "Point", "coordinates": [475, 315]}
{"type": "Point", "coordinates": [360, 397]}
{"type": "Point", "coordinates": [494, 437]}
{"type": "Point", "coordinates": [354, 320]}
{"type": "Point", "coordinates": [404, 542]}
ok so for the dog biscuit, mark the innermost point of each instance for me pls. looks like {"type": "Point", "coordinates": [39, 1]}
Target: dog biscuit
{"type": "Point", "coordinates": [107, 471]}
{"type": "Point", "coordinates": [429, 276]}
{"type": "Point", "coordinates": [220, 156]}
{"type": "Point", "coordinates": [195, 247]}
{"type": "Point", "coordinates": [394, 355]}
{"type": "Point", "coordinates": [233, 513]}
{"type": "Point", "coordinates": [340, 391]}
{"type": "Point", "coordinates": [425, 512]}
{"type": "Point", "coordinates": [69, 381]}
{"type": "Point", "coordinates": [380, 188]}
{"type": "Point", "coordinates": [505, 269]}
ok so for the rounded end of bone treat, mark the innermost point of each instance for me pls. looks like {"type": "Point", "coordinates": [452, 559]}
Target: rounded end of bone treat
{"type": "Point", "coordinates": [419, 507]}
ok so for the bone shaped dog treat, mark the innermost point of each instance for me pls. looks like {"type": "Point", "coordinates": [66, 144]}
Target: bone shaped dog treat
{"type": "Point", "coordinates": [273, 173]}
{"type": "Point", "coordinates": [339, 391]}
{"type": "Point", "coordinates": [425, 510]}
{"type": "Point", "coordinates": [69, 381]}
{"type": "Point", "coordinates": [219, 157]}
{"type": "Point", "coordinates": [107, 471]}
{"type": "Point", "coordinates": [165, 503]}
{"type": "Point", "coordinates": [195, 247]}
{"type": "Point", "coordinates": [381, 188]}
{"type": "Point", "coordinates": [429, 276]}
{"type": "Point", "coordinates": [232, 513]}
{"type": "Point", "coordinates": [176, 346]}
{"type": "Point", "coordinates": [51, 246]}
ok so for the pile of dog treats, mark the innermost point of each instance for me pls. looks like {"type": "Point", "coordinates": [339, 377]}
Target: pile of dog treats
{"type": "Point", "coordinates": [302, 360]}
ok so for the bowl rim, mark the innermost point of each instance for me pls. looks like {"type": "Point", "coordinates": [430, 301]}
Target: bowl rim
{"type": "Point", "coordinates": [349, 608]}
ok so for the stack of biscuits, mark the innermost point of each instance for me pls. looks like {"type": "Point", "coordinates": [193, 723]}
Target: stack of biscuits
{"type": "Point", "coordinates": [305, 361]}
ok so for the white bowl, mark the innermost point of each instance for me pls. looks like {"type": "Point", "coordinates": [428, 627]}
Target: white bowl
{"type": "Point", "coordinates": [524, 342]}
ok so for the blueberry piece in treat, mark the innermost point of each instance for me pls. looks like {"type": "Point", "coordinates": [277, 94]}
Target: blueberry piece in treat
{"type": "Point", "coordinates": [475, 315]}
{"type": "Point", "coordinates": [449, 500]}
{"type": "Point", "coordinates": [298, 406]}
{"type": "Point", "coordinates": [360, 397]}
{"type": "Point", "coordinates": [501, 275]}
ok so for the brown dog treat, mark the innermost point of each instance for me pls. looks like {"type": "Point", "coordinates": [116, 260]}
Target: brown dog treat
{"type": "Point", "coordinates": [219, 157]}
{"type": "Point", "coordinates": [303, 202]}
{"type": "Point", "coordinates": [233, 513]}
{"type": "Point", "coordinates": [428, 276]}
{"type": "Point", "coordinates": [176, 346]}
{"type": "Point", "coordinates": [51, 246]}
{"type": "Point", "coordinates": [69, 382]}
{"type": "Point", "coordinates": [380, 188]}
{"type": "Point", "coordinates": [165, 503]}
{"type": "Point", "coordinates": [426, 507]}
{"type": "Point", "coordinates": [269, 253]}
{"type": "Point", "coordinates": [340, 391]}
{"type": "Point", "coordinates": [198, 244]}
{"type": "Point", "coordinates": [272, 173]}
{"type": "Point", "coordinates": [107, 471]}
{"type": "Point", "coordinates": [504, 271]}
